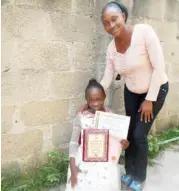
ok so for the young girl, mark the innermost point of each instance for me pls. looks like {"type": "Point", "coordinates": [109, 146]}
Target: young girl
{"type": "Point", "coordinates": [91, 176]}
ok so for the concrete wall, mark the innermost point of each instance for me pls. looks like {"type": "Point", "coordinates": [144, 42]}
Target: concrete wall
{"type": "Point", "coordinates": [50, 49]}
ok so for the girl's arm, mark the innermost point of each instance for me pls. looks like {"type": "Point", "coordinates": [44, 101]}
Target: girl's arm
{"type": "Point", "coordinates": [73, 147]}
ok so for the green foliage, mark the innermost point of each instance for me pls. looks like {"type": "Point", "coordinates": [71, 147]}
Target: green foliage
{"type": "Point", "coordinates": [171, 133]}
{"type": "Point", "coordinates": [51, 174]}
{"type": "Point", "coordinates": [155, 148]}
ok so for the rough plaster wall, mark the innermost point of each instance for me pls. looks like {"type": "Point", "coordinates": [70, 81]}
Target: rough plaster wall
{"type": "Point", "coordinates": [50, 49]}
{"type": "Point", "coordinates": [48, 56]}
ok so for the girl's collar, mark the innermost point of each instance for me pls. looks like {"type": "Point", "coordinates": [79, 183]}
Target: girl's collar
{"type": "Point", "coordinates": [88, 110]}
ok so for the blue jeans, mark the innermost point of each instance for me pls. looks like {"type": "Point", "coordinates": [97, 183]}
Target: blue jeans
{"type": "Point", "coordinates": [137, 153]}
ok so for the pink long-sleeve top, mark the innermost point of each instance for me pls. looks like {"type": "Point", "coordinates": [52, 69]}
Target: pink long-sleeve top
{"type": "Point", "coordinates": [142, 65]}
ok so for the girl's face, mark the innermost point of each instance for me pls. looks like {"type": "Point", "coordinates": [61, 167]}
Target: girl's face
{"type": "Point", "coordinates": [113, 21]}
{"type": "Point", "coordinates": [95, 99]}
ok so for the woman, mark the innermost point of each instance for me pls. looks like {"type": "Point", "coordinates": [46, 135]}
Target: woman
{"type": "Point", "coordinates": [136, 54]}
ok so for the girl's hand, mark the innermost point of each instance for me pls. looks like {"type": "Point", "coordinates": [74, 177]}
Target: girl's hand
{"type": "Point", "coordinates": [146, 110]}
{"type": "Point", "coordinates": [73, 178]}
{"type": "Point", "coordinates": [82, 108]}
{"type": "Point", "coordinates": [124, 143]}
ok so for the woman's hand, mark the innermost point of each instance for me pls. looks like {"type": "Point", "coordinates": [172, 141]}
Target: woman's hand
{"type": "Point", "coordinates": [146, 110]}
{"type": "Point", "coordinates": [124, 143]}
{"type": "Point", "coordinates": [82, 108]}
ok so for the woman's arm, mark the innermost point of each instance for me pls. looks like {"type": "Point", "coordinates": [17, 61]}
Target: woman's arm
{"type": "Point", "coordinates": [109, 71]}
{"type": "Point", "coordinates": [156, 57]}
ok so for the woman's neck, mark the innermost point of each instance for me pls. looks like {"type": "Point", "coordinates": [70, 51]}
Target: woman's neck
{"type": "Point", "coordinates": [125, 36]}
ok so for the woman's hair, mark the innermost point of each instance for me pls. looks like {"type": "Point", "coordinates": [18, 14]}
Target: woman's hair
{"type": "Point", "coordinates": [94, 84]}
{"type": "Point", "coordinates": [119, 6]}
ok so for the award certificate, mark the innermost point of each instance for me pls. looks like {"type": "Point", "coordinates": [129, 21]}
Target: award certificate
{"type": "Point", "coordinates": [117, 125]}
{"type": "Point", "coordinates": [95, 145]}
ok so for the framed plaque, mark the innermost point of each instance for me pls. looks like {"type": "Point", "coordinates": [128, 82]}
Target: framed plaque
{"type": "Point", "coordinates": [95, 145]}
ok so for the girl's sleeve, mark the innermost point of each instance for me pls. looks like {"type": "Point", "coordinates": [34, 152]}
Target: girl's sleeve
{"type": "Point", "coordinates": [109, 71]}
{"type": "Point", "coordinates": [73, 146]}
{"type": "Point", "coordinates": [156, 57]}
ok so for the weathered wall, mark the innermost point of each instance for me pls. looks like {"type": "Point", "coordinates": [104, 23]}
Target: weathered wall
{"type": "Point", "coordinates": [50, 49]}
{"type": "Point", "coordinates": [48, 56]}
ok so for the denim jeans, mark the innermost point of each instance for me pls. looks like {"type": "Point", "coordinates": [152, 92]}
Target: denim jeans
{"type": "Point", "coordinates": [137, 152]}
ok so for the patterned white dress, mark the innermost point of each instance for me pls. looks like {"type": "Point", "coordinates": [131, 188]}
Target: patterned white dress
{"type": "Point", "coordinates": [93, 176]}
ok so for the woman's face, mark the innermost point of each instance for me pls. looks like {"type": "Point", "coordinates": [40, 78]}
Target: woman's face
{"type": "Point", "coordinates": [113, 21]}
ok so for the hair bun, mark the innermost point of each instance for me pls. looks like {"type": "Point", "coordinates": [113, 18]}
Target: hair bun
{"type": "Point", "coordinates": [93, 81]}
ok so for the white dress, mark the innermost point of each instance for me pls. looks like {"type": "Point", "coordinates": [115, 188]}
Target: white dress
{"type": "Point", "coordinates": [93, 176]}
